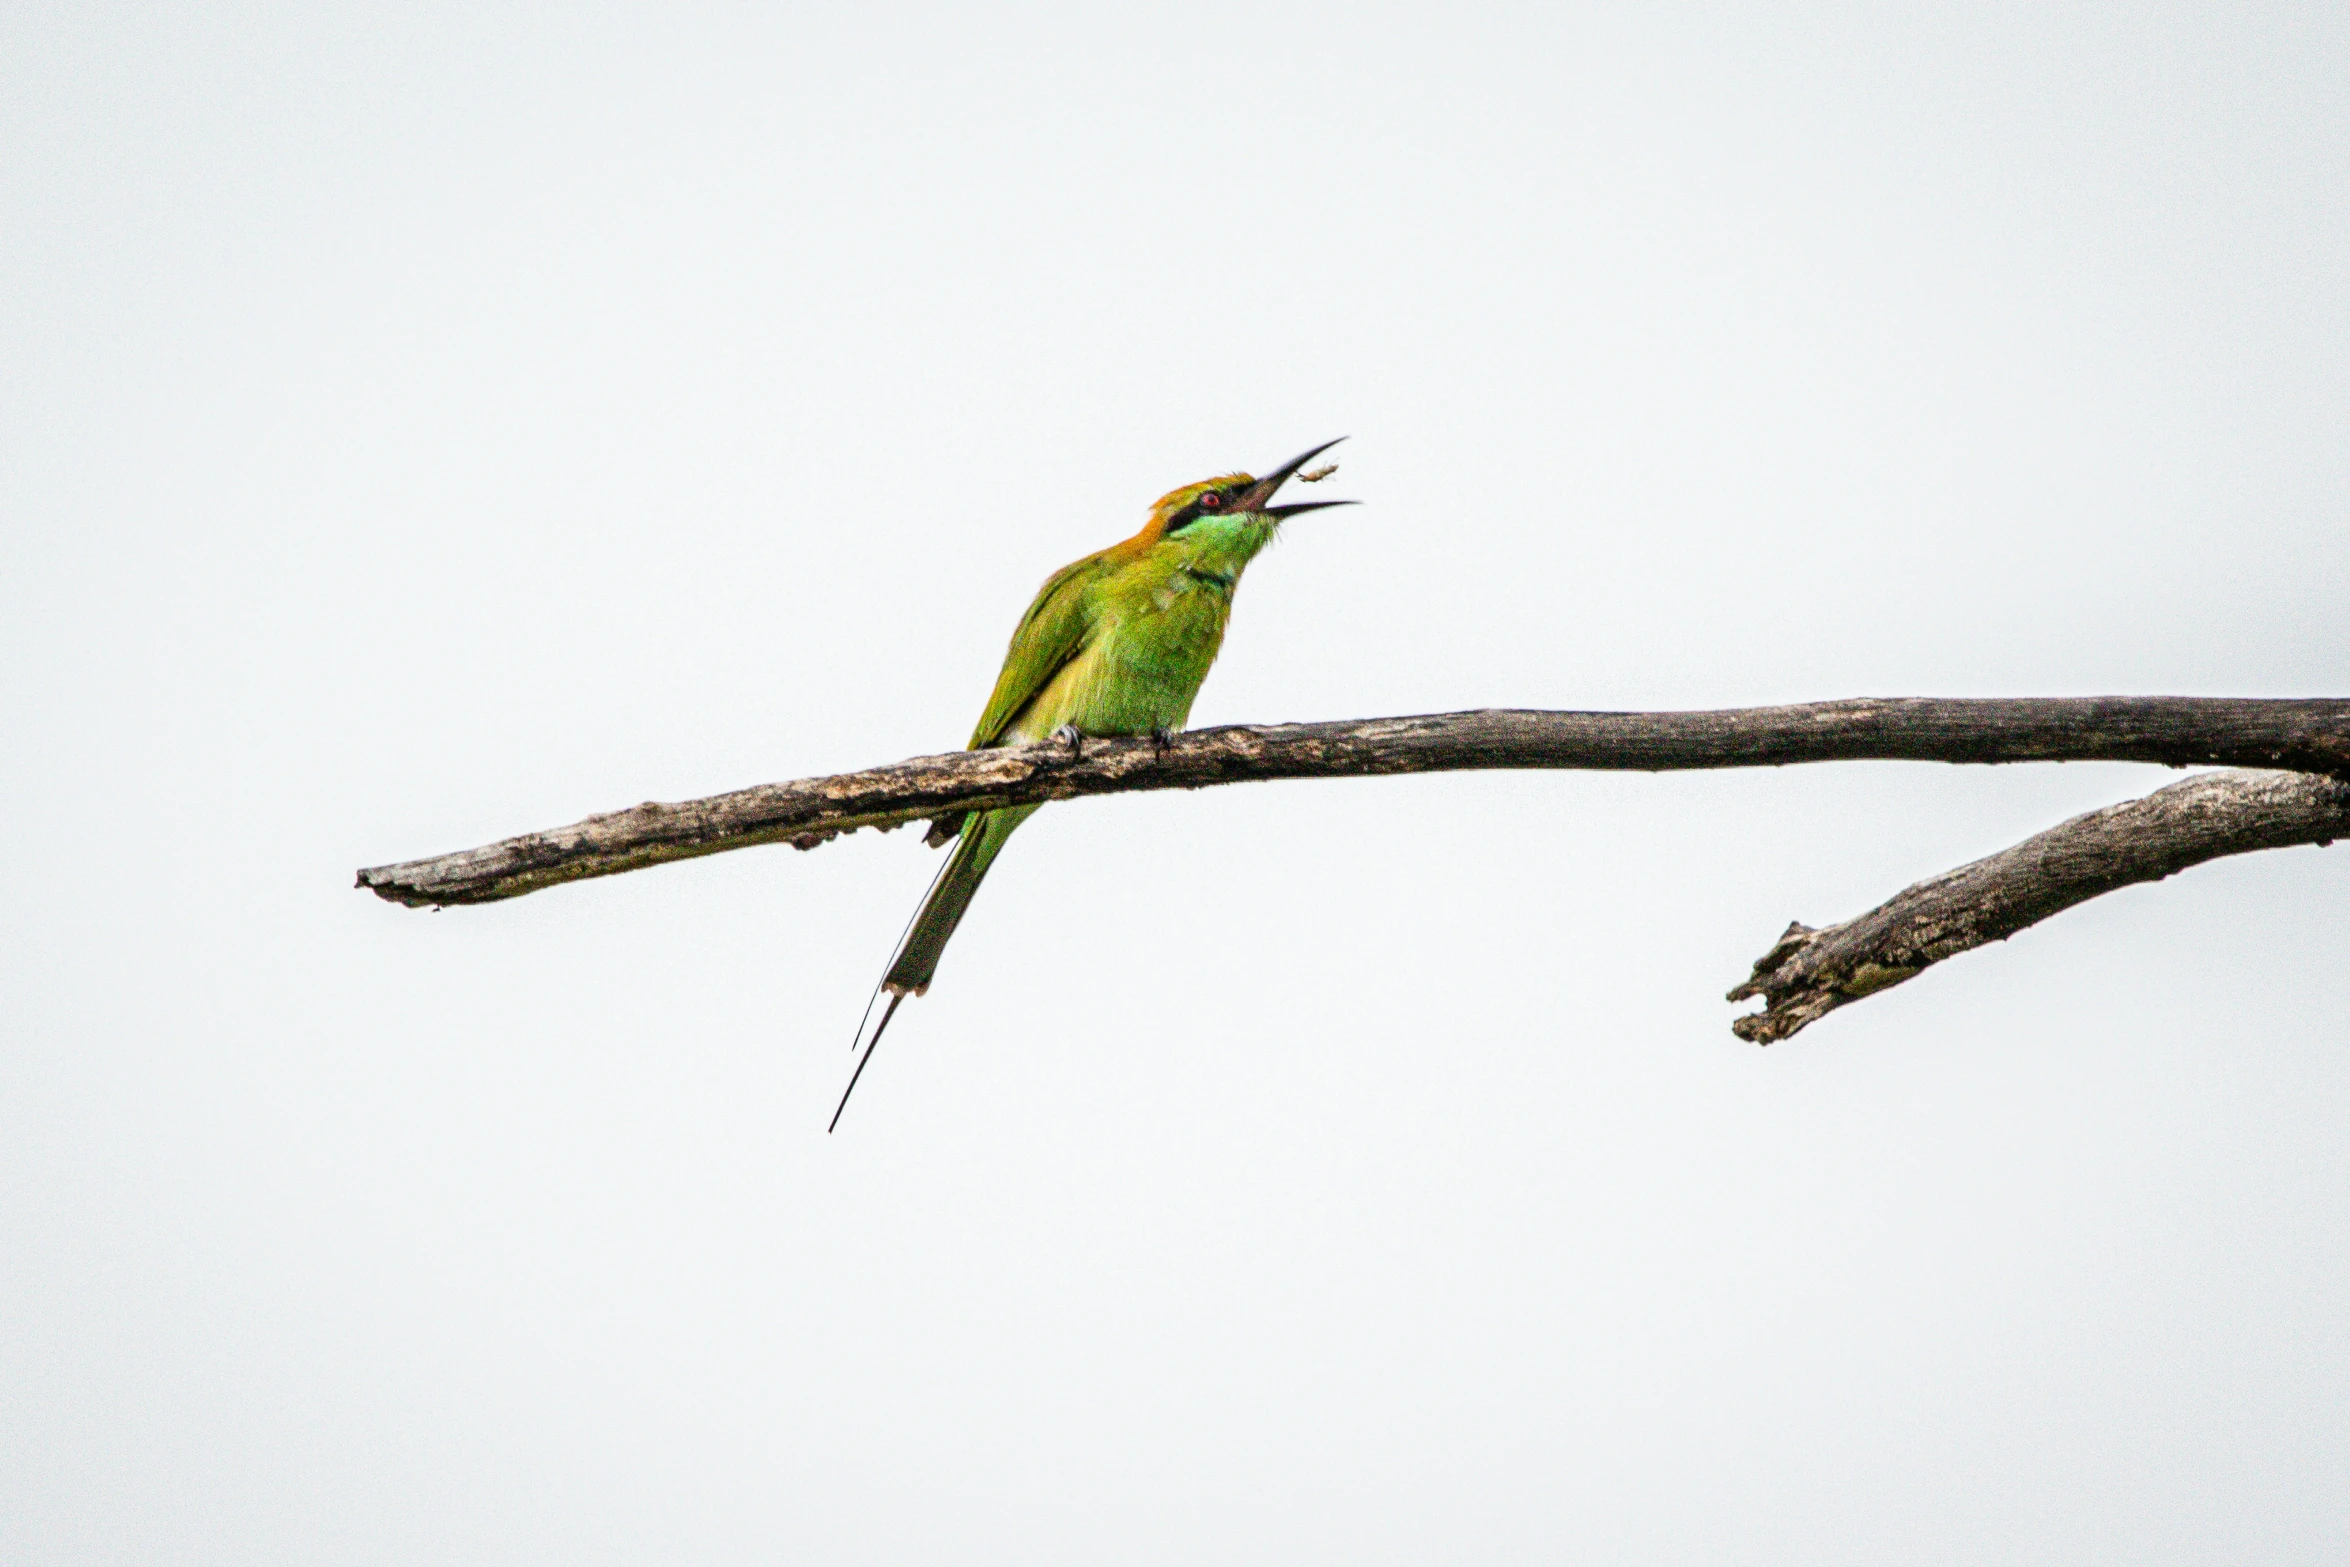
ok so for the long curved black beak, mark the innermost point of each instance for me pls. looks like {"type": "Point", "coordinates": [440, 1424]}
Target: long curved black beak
{"type": "Point", "coordinates": [1262, 491]}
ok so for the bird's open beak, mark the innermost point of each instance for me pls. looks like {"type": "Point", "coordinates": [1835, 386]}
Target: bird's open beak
{"type": "Point", "coordinates": [1262, 491]}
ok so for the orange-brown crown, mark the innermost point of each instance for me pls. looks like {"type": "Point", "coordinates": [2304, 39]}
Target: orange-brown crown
{"type": "Point", "coordinates": [1180, 506]}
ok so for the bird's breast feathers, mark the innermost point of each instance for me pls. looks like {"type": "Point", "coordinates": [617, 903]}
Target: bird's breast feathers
{"type": "Point", "coordinates": [1146, 619]}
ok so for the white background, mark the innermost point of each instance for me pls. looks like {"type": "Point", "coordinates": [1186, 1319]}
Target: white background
{"type": "Point", "coordinates": [424, 425]}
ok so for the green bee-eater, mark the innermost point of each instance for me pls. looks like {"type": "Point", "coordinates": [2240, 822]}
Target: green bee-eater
{"type": "Point", "coordinates": [1115, 644]}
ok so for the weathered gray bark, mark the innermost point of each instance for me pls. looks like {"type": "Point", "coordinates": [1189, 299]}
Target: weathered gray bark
{"type": "Point", "coordinates": [2308, 735]}
{"type": "Point", "coordinates": [1810, 972]}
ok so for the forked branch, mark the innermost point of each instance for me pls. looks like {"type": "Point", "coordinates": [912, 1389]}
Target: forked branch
{"type": "Point", "coordinates": [1808, 974]}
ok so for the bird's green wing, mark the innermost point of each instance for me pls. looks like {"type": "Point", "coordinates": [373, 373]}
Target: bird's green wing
{"type": "Point", "coordinates": [1054, 631]}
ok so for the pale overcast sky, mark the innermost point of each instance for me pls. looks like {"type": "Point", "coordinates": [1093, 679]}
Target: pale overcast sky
{"type": "Point", "coordinates": [423, 424]}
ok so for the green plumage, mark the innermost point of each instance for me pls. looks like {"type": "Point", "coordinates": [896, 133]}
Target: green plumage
{"type": "Point", "coordinates": [1115, 644]}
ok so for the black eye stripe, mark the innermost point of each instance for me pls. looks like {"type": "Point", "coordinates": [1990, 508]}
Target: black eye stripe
{"type": "Point", "coordinates": [1196, 510]}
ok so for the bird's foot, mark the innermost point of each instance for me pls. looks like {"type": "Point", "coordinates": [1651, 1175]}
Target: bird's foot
{"type": "Point", "coordinates": [1161, 738]}
{"type": "Point", "coordinates": [1069, 736]}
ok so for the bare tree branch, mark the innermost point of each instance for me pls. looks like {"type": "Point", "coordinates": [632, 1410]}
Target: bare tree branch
{"type": "Point", "coordinates": [2306, 735]}
{"type": "Point", "coordinates": [1810, 972]}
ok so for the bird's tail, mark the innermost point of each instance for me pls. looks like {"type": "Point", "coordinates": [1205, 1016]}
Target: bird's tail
{"type": "Point", "coordinates": [942, 910]}
{"type": "Point", "coordinates": [982, 840]}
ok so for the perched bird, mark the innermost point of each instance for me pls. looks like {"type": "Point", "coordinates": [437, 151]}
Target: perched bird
{"type": "Point", "coordinates": [1115, 644]}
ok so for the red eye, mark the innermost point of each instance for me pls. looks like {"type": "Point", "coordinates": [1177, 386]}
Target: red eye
{"type": "Point", "coordinates": [1211, 502]}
